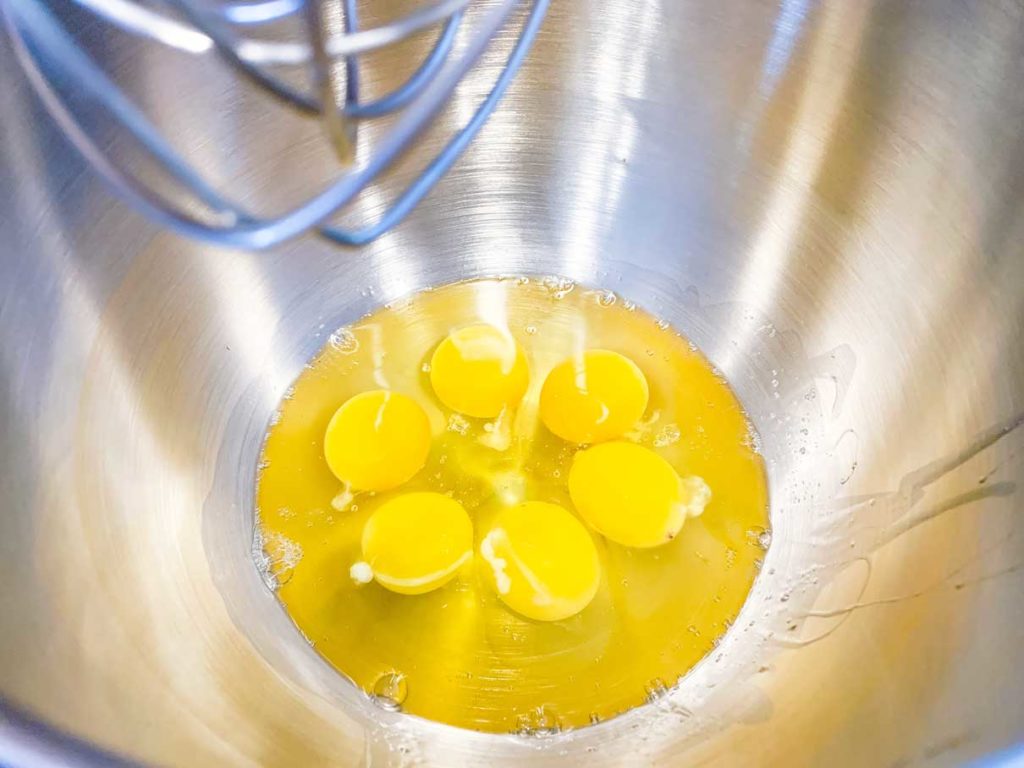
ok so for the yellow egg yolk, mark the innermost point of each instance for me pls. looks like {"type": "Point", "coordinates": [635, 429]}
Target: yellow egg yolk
{"type": "Point", "coordinates": [479, 371]}
{"type": "Point", "coordinates": [593, 397]}
{"type": "Point", "coordinates": [415, 543]}
{"type": "Point", "coordinates": [377, 440]}
{"type": "Point", "coordinates": [541, 561]}
{"type": "Point", "coordinates": [633, 496]}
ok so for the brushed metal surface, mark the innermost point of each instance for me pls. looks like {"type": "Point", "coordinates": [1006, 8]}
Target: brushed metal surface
{"type": "Point", "coordinates": [827, 196]}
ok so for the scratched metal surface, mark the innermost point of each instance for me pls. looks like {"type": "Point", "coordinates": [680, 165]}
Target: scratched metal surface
{"type": "Point", "coordinates": [828, 196]}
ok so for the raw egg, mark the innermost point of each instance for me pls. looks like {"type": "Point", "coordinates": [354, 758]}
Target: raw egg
{"type": "Point", "coordinates": [415, 543]}
{"type": "Point", "coordinates": [633, 496]}
{"type": "Point", "coordinates": [479, 371]}
{"type": "Point", "coordinates": [595, 396]}
{"type": "Point", "coordinates": [377, 440]}
{"type": "Point", "coordinates": [542, 562]}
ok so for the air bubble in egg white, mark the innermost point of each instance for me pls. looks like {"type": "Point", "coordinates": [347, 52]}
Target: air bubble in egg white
{"type": "Point", "coordinates": [344, 341]}
{"type": "Point", "coordinates": [458, 424]}
{"type": "Point", "coordinates": [655, 690]}
{"type": "Point", "coordinates": [390, 690]}
{"type": "Point", "coordinates": [538, 724]}
{"type": "Point", "coordinates": [666, 436]}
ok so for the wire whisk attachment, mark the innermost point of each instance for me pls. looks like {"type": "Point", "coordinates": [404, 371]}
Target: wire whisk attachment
{"type": "Point", "coordinates": [329, 48]}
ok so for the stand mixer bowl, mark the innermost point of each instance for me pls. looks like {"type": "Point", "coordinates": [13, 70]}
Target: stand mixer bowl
{"type": "Point", "coordinates": [827, 197]}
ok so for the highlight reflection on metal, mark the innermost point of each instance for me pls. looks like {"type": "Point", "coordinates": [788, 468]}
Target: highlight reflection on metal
{"type": "Point", "coordinates": [57, 66]}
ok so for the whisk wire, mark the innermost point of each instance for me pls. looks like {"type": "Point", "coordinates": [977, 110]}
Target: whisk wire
{"type": "Point", "coordinates": [41, 44]}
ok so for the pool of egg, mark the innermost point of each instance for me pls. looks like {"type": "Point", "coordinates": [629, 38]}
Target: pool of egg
{"type": "Point", "coordinates": [511, 505]}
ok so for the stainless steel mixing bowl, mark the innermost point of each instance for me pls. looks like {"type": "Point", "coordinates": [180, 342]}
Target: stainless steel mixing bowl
{"type": "Point", "coordinates": [827, 196]}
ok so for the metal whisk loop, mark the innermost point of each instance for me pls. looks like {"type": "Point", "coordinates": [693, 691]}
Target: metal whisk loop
{"type": "Point", "coordinates": [47, 52]}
